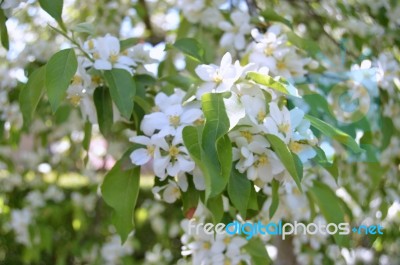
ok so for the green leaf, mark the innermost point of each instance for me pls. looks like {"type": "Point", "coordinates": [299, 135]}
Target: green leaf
{"type": "Point", "coordinates": [239, 188]}
{"type": "Point", "coordinates": [321, 159]}
{"type": "Point", "coordinates": [267, 81]}
{"type": "Point", "coordinates": [104, 109]}
{"type": "Point", "coordinates": [318, 104]}
{"type": "Point", "coordinates": [191, 47]}
{"type": "Point", "coordinates": [298, 164]}
{"type": "Point", "coordinates": [31, 94]}
{"type": "Point", "coordinates": [54, 8]}
{"type": "Point", "coordinates": [286, 157]}
{"type": "Point", "coordinates": [306, 44]}
{"type": "Point", "coordinates": [88, 136]}
{"type": "Point", "coordinates": [84, 27]}
{"type": "Point", "coordinates": [330, 207]}
{"type": "Point", "coordinates": [86, 140]}
{"type": "Point", "coordinates": [216, 207]}
{"type": "Point", "coordinates": [122, 90]}
{"type": "Point", "coordinates": [184, 27]}
{"type": "Point", "coordinates": [253, 202]}
{"type": "Point", "coordinates": [271, 15]}
{"type": "Point", "coordinates": [387, 131]}
{"type": "Point", "coordinates": [190, 198]}
{"type": "Point", "coordinates": [120, 190]}
{"type": "Point", "coordinates": [60, 69]}
{"type": "Point", "coordinates": [257, 251]}
{"type": "Point", "coordinates": [62, 114]}
{"type": "Point", "coordinates": [192, 139]}
{"type": "Point", "coordinates": [224, 151]}
{"type": "Point", "coordinates": [1, 129]}
{"type": "Point", "coordinates": [216, 126]}
{"type": "Point", "coordinates": [275, 198]}
{"type": "Point", "coordinates": [3, 30]}
{"type": "Point", "coordinates": [334, 133]}
{"type": "Point", "coordinates": [179, 80]}
{"type": "Point", "coordinates": [127, 43]}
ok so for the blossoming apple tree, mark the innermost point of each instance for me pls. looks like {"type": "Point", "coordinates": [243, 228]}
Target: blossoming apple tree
{"type": "Point", "coordinates": [231, 110]}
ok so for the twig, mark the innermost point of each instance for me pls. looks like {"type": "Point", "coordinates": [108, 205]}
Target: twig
{"type": "Point", "coordinates": [153, 38]}
{"type": "Point", "coordinates": [252, 6]}
{"type": "Point", "coordinates": [73, 41]}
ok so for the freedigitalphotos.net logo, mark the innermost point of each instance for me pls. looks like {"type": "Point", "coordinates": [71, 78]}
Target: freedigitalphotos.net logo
{"type": "Point", "coordinates": [250, 229]}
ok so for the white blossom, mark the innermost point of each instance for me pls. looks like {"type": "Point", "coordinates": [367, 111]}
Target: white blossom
{"type": "Point", "coordinates": [235, 32]}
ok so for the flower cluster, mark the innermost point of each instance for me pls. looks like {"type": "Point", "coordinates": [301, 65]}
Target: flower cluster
{"type": "Point", "coordinates": [207, 249]}
{"type": "Point", "coordinates": [271, 50]}
{"type": "Point", "coordinates": [201, 11]}
{"type": "Point", "coordinates": [163, 142]}
{"type": "Point", "coordinates": [261, 114]}
{"type": "Point", "coordinates": [105, 54]}
{"type": "Point", "coordinates": [235, 32]}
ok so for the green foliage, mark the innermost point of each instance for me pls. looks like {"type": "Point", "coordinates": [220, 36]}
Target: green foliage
{"type": "Point", "coordinates": [334, 133]}
{"type": "Point", "coordinates": [3, 30]}
{"type": "Point", "coordinates": [59, 71]}
{"type": "Point", "coordinates": [192, 48]}
{"type": "Point", "coordinates": [306, 44]}
{"type": "Point", "coordinates": [120, 190]}
{"type": "Point", "coordinates": [268, 81]}
{"type": "Point", "coordinates": [256, 249]}
{"type": "Point", "coordinates": [330, 207]}
{"type": "Point", "coordinates": [239, 189]}
{"type": "Point", "coordinates": [54, 8]}
{"type": "Point", "coordinates": [286, 157]}
{"type": "Point", "coordinates": [31, 94]}
{"type": "Point", "coordinates": [104, 109]}
{"type": "Point", "coordinates": [84, 27]}
{"type": "Point", "coordinates": [275, 198]}
{"type": "Point", "coordinates": [216, 207]}
{"type": "Point", "coordinates": [216, 144]}
{"type": "Point", "coordinates": [122, 90]}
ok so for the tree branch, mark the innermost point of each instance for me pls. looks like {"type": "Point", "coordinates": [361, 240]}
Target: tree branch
{"type": "Point", "coordinates": [153, 38]}
{"type": "Point", "coordinates": [252, 6]}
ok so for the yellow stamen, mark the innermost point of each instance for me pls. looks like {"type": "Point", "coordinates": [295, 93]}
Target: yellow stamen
{"type": "Point", "coordinates": [96, 55]}
{"type": "Point", "coordinates": [96, 80]}
{"type": "Point", "coordinates": [262, 160]}
{"type": "Point", "coordinates": [91, 44]}
{"type": "Point", "coordinates": [114, 58]}
{"type": "Point", "coordinates": [150, 150]}
{"type": "Point", "coordinates": [206, 245]}
{"type": "Point", "coordinates": [199, 121]}
{"type": "Point", "coordinates": [75, 100]}
{"type": "Point", "coordinates": [280, 65]}
{"type": "Point", "coordinates": [269, 51]}
{"type": "Point", "coordinates": [284, 127]}
{"type": "Point", "coordinates": [77, 80]}
{"type": "Point", "coordinates": [217, 78]}
{"type": "Point", "coordinates": [247, 135]}
{"type": "Point", "coordinates": [174, 120]}
{"type": "Point", "coordinates": [227, 240]}
{"type": "Point", "coordinates": [295, 146]}
{"type": "Point", "coordinates": [173, 151]}
{"type": "Point", "coordinates": [261, 116]}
